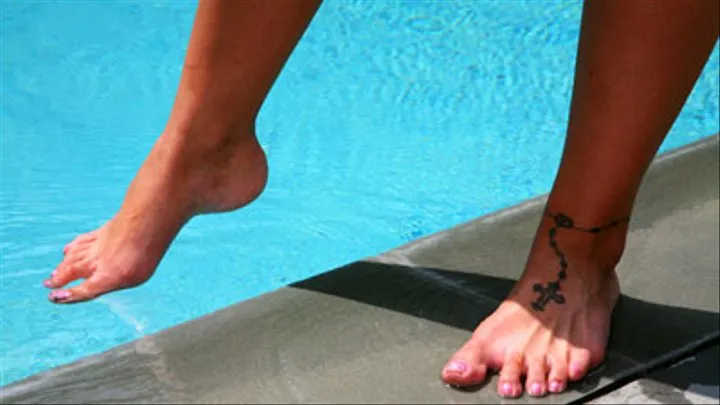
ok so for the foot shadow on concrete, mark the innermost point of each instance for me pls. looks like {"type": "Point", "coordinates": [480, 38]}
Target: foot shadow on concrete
{"type": "Point", "coordinates": [646, 336]}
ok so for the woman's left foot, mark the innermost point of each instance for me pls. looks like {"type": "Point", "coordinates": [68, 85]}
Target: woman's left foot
{"type": "Point", "coordinates": [186, 174]}
{"type": "Point", "coordinates": [554, 325]}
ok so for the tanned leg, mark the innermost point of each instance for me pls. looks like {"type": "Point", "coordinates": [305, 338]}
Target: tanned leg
{"type": "Point", "coordinates": [207, 159]}
{"type": "Point", "coordinates": [636, 65]}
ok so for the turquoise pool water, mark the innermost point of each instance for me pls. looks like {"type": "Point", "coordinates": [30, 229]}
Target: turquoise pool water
{"type": "Point", "coordinates": [391, 121]}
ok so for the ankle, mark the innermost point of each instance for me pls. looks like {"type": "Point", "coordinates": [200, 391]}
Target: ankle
{"type": "Point", "coordinates": [214, 148]}
{"type": "Point", "coordinates": [207, 125]}
{"type": "Point", "coordinates": [590, 210]}
{"type": "Point", "coordinates": [599, 244]}
{"type": "Point", "coordinates": [608, 248]}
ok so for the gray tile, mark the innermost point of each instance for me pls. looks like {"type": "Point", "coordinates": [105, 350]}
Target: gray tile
{"type": "Point", "coordinates": [379, 330]}
{"type": "Point", "coordinates": [694, 380]}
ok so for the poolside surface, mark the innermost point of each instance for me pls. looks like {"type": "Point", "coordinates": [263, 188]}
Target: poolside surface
{"type": "Point", "coordinates": [379, 330]}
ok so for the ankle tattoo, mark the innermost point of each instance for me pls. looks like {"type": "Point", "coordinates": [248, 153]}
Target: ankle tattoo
{"type": "Point", "coordinates": [552, 291]}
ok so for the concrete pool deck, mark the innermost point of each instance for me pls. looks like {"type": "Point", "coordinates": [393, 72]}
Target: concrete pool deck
{"type": "Point", "coordinates": [379, 330]}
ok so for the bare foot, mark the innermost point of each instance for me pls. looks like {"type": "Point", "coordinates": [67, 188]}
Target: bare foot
{"type": "Point", "coordinates": [183, 176]}
{"type": "Point", "coordinates": [553, 327]}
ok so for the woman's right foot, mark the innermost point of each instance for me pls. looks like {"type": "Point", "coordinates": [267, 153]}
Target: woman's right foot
{"type": "Point", "coordinates": [554, 325]}
{"type": "Point", "coordinates": [183, 176]}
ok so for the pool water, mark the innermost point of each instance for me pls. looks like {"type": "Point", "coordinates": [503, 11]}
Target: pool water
{"type": "Point", "coordinates": [392, 120]}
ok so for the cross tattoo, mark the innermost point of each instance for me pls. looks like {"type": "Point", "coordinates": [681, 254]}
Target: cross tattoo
{"type": "Point", "coordinates": [550, 293]}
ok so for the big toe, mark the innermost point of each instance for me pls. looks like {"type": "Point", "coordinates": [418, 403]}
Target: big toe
{"type": "Point", "coordinates": [466, 367]}
{"type": "Point", "coordinates": [91, 288]}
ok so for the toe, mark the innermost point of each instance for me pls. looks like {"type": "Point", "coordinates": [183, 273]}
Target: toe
{"type": "Point", "coordinates": [557, 378]}
{"type": "Point", "coordinates": [88, 290]}
{"type": "Point", "coordinates": [68, 271]}
{"type": "Point", "coordinates": [536, 377]}
{"type": "Point", "coordinates": [509, 383]}
{"type": "Point", "coordinates": [80, 240]}
{"type": "Point", "coordinates": [466, 368]}
{"type": "Point", "coordinates": [579, 363]}
{"type": "Point", "coordinates": [69, 247]}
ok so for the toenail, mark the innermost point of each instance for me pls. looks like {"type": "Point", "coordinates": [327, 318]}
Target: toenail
{"type": "Point", "coordinates": [47, 283]}
{"type": "Point", "coordinates": [457, 366]}
{"type": "Point", "coordinates": [507, 390]}
{"type": "Point", "coordinates": [536, 389]}
{"type": "Point", "coordinates": [556, 386]}
{"type": "Point", "coordinates": [60, 295]}
{"type": "Point", "coordinates": [577, 371]}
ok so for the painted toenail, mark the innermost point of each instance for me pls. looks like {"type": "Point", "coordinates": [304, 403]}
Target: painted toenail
{"type": "Point", "coordinates": [556, 386]}
{"type": "Point", "coordinates": [457, 367]}
{"type": "Point", "coordinates": [506, 390]}
{"type": "Point", "coordinates": [47, 283]}
{"type": "Point", "coordinates": [60, 295]}
{"type": "Point", "coordinates": [577, 371]}
{"type": "Point", "coordinates": [536, 389]}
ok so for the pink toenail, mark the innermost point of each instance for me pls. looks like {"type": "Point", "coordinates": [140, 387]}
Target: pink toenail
{"type": "Point", "coordinates": [536, 389]}
{"type": "Point", "coordinates": [47, 283]}
{"type": "Point", "coordinates": [577, 371]}
{"type": "Point", "coordinates": [457, 366]}
{"type": "Point", "coordinates": [556, 386]}
{"type": "Point", "coordinates": [60, 295]}
{"type": "Point", "coordinates": [507, 390]}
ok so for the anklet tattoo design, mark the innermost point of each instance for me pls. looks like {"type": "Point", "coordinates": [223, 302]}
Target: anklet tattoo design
{"type": "Point", "coordinates": [552, 291]}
